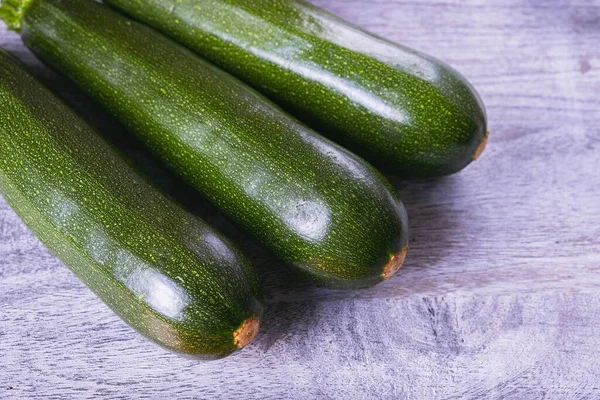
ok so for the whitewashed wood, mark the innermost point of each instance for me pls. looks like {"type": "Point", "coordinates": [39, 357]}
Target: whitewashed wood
{"type": "Point", "coordinates": [500, 294]}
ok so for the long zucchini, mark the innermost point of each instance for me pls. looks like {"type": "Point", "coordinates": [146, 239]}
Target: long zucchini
{"type": "Point", "coordinates": [403, 111]}
{"type": "Point", "coordinates": [314, 204]}
{"type": "Point", "coordinates": [162, 270]}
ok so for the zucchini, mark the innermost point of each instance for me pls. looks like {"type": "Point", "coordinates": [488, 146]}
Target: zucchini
{"type": "Point", "coordinates": [317, 206]}
{"type": "Point", "coordinates": [403, 111]}
{"type": "Point", "coordinates": [163, 271]}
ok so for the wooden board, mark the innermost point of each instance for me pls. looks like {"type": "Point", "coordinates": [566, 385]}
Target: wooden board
{"type": "Point", "coordinates": [500, 294]}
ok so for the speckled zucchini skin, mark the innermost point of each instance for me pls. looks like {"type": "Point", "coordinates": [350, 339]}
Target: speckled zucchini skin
{"type": "Point", "coordinates": [162, 270]}
{"type": "Point", "coordinates": [314, 204]}
{"type": "Point", "coordinates": [403, 111]}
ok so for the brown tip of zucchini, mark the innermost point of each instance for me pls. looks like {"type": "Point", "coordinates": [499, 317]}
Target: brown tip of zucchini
{"type": "Point", "coordinates": [481, 146]}
{"type": "Point", "coordinates": [246, 332]}
{"type": "Point", "coordinates": [394, 264]}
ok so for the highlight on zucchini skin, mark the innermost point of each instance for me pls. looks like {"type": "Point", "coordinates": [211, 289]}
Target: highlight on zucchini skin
{"type": "Point", "coordinates": [403, 111]}
{"type": "Point", "coordinates": [318, 207]}
{"type": "Point", "coordinates": [165, 272]}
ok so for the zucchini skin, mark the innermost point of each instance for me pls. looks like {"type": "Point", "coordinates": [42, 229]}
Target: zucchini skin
{"type": "Point", "coordinates": [165, 272]}
{"type": "Point", "coordinates": [317, 206]}
{"type": "Point", "coordinates": [405, 112]}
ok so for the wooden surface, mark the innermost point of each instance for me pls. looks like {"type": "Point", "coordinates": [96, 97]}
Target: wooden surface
{"type": "Point", "coordinates": [500, 294]}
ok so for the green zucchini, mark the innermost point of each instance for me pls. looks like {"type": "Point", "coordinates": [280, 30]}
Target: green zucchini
{"type": "Point", "coordinates": [317, 206]}
{"type": "Point", "coordinates": [403, 111]}
{"type": "Point", "coordinates": [162, 270]}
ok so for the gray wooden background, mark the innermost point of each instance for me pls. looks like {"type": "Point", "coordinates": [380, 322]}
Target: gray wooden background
{"type": "Point", "coordinates": [499, 297]}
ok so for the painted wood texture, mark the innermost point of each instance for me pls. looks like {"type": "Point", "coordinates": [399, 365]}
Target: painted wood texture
{"type": "Point", "coordinates": [500, 294]}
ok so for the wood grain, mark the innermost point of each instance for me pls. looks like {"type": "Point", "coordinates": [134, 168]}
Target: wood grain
{"type": "Point", "coordinates": [500, 293]}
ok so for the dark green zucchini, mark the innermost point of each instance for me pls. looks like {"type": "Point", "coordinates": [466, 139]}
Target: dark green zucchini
{"type": "Point", "coordinates": [403, 111]}
{"type": "Point", "coordinates": [165, 272]}
{"type": "Point", "coordinates": [314, 204]}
